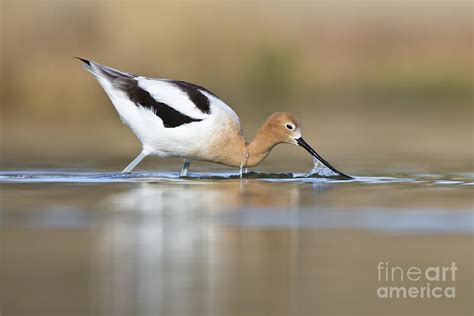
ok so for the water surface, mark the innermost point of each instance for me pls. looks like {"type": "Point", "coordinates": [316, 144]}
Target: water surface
{"type": "Point", "coordinates": [101, 243]}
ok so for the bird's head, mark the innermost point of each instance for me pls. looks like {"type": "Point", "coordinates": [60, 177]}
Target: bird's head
{"type": "Point", "coordinates": [283, 128]}
{"type": "Point", "coordinates": [286, 128]}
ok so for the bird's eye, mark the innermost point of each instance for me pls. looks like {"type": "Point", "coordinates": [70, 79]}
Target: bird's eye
{"type": "Point", "coordinates": [289, 126]}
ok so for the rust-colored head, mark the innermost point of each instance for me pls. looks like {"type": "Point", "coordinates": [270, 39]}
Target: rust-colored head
{"type": "Point", "coordinates": [282, 127]}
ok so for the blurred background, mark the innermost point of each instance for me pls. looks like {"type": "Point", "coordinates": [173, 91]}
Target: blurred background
{"type": "Point", "coordinates": [377, 84]}
{"type": "Point", "coordinates": [384, 89]}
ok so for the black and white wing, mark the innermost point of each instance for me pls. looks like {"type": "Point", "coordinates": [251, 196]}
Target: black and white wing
{"type": "Point", "coordinates": [174, 102]}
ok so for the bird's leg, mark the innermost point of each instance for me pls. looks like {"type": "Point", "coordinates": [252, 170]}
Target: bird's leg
{"type": "Point", "coordinates": [135, 162]}
{"type": "Point", "coordinates": [184, 171]}
{"type": "Point", "coordinates": [243, 171]}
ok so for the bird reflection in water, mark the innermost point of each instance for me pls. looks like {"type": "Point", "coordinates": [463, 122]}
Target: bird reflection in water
{"type": "Point", "coordinates": [162, 249]}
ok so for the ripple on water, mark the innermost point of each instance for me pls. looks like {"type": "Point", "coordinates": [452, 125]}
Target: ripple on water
{"type": "Point", "coordinates": [64, 176]}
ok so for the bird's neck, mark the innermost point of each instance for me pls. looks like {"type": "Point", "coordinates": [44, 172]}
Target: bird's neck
{"type": "Point", "coordinates": [259, 148]}
{"type": "Point", "coordinates": [236, 151]}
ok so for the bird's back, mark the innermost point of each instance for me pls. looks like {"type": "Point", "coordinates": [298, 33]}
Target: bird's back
{"type": "Point", "coordinates": [170, 117]}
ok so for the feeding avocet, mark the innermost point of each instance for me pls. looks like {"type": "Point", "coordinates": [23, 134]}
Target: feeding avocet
{"type": "Point", "coordinates": [173, 118]}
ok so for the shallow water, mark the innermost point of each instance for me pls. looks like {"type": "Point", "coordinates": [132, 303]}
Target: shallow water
{"type": "Point", "coordinates": [100, 243]}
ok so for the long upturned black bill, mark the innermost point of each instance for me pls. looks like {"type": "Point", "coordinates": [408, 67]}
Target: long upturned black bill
{"type": "Point", "coordinates": [313, 153]}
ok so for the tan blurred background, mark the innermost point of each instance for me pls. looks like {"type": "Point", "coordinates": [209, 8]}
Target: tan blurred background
{"type": "Point", "coordinates": [377, 84]}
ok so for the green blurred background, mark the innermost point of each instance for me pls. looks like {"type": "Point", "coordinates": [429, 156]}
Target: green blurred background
{"type": "Point", "coordinates": [377, 84]}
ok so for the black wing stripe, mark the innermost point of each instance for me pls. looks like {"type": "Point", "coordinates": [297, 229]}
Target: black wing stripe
{"type": "Point", "coordinates": [195, 95]}
{"type": "Point", "coordinates": [195, 86]}
{"type": "Point", "coordinates": [169, 116]}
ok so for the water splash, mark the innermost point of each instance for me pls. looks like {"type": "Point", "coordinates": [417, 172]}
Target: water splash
{"type": "Point", "coordinates": [320, 170]}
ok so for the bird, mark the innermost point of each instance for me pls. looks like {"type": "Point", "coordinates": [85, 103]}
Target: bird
{"type": "Point", "coordinates": [174, 118]}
